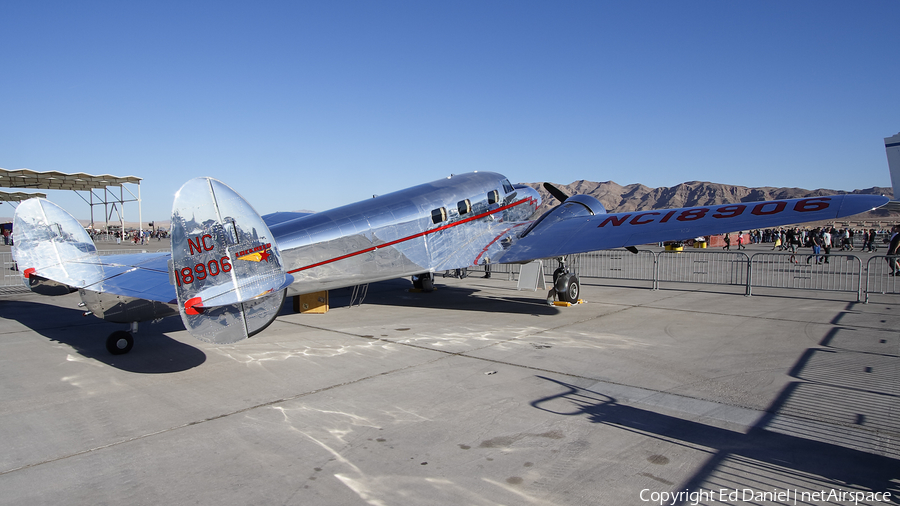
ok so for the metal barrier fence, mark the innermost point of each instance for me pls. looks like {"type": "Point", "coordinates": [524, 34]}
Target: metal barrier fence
{"type": "Point", "coordinates": [836, 273]}
{"type": "Point", "coordinates": [801, 271]}
{"type": "Point", "coordinates": [708, 267]}
{"type": "Point", "coordinates": [879, 276]}
{"type": "Point", "coordinates": [617, 264]}
{"type": "Point", "coordinates": [840, 273]}
{"type": "Point", "coordinates": [609, 264]}
{"type": "Point", "coordinates": [11, 276]}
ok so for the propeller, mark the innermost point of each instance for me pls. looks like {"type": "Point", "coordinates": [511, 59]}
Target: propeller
{"type": "Point", "coordinates": [556, 192]}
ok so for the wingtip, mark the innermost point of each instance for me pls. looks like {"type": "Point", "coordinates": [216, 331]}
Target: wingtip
{"type": "Point", "coordinates": [856, 204]}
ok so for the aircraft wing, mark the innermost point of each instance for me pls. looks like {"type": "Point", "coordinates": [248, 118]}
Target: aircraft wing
{"type": "Point", "coordinates": [550, 237]}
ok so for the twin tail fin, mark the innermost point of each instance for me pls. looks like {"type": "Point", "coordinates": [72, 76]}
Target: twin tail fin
{"type": "Point", "coordinates": [226, 268]}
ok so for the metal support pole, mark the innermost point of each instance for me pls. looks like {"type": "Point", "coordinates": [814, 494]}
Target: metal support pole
{"type": "Point", "coordinates": [656, 271]}
{"type": "Point", "coordinates": [749, 276]}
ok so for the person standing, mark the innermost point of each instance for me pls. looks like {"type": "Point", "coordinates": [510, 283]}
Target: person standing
{"type": "Point", "coordinates": [727, 242]}
{"type": "Point", "coordinates": [741, 240]}
{"type": "Point", "coordinates": [816, 246]}
{"type": "Point", "coordinates": [893, 251]}
{"type": "Point", "coordinates": [826, 243]}
{"type": "Point", "coordinates": [793, 238]}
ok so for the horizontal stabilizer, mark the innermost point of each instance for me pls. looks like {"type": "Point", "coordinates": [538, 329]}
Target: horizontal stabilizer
{"type": "Point", "coordinates": [53, 249]}
{"type": "Point", "coordinates": [227, 270]}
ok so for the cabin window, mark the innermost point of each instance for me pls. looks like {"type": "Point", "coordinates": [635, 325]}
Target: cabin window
{"type": "Point", "coordinates": [439, 215]}
{"type": "Point", "coordinates": [493, 197]}
{"type": "Point", "coordinates": [464, 207]}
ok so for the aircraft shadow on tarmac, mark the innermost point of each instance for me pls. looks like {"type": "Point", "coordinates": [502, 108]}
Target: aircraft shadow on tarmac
{"type": "Point", "coordinates": [397, 293]}
{"type": "Point", "coordinates": [780, 451]}
{"type": "Point", "coordinates": [153, 353]}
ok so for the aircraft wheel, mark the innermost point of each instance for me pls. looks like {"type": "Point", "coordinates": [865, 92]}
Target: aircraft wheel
{"type": "Point", "coordinates": [568, 288]}
{"type": "Point", "coordinates": [417, 282]}
{"type": "Point", "coordinates": [427, 283]}
{"type": "Point", "coordinates": [119, 342]}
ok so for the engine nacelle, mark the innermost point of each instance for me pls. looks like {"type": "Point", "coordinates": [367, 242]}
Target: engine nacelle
{"type": "Point", "coordinates": [574, 206]}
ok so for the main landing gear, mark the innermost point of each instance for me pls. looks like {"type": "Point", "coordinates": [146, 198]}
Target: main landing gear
{"type": "Point", "coordinates": [424, 282]}
{"type": "Point", "coordinates": [120, 342]}
{"type": "Point", "coordinates": [565, 285]}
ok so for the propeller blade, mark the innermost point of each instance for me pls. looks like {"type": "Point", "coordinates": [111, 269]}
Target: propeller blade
{"type": "Point", "coordinates": [556, 192]}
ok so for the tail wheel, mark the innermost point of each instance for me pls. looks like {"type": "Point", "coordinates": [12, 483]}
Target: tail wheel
{"type": "Point", "coordinates": [424, 282]}
{"type": "Point", "coordinates": [119, 342]}
{"type": "Point", "coordinates": [568, 288]}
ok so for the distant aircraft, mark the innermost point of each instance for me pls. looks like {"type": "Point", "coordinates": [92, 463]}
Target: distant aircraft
{"type": "Point", "coordinates": [229, 269]}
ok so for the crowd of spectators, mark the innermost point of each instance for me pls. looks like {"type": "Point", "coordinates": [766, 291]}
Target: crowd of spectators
{"type": "Point", "coordinates": [135, 236]}
{"type": "Point", "coordinates": [846, 239]}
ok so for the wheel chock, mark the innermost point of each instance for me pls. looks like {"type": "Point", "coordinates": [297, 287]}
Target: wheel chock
{"type": "Point", "coordinates": [561, 303]}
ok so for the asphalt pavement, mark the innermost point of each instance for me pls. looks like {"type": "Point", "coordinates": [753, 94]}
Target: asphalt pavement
{"type": "Point", "coordinates": [474, 394]}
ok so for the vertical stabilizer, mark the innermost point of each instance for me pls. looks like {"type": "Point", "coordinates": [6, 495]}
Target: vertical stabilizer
{"type": "Point", "coordinates": [226, 268]}
{"type": "Point", "coordinates": [892, 148]}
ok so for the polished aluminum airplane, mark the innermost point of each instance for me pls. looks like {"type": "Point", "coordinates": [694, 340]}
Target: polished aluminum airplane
{"type": "Point", "coordinates": [229, 269]}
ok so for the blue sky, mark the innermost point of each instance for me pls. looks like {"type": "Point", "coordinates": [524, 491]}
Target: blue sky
{"type": "Point", "coordinates": [310, 105]}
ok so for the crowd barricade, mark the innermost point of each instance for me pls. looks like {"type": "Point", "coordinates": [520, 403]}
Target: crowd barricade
{"type": "Point", "coordinates": [616, 264]}
{"type": "Point", "coordinates": [800, 271]}
{"type": "Point", "coordinates": [11, 276]}
{"type": "Point", "coordinates": [707, 267]}
{"type": "Point", "coordinates": [879, 278]}
{"type": "Point", "coordinates": [805, 271]}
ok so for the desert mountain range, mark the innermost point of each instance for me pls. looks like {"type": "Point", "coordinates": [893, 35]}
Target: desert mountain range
{"type": "Point", "coordinates": [637, 197]}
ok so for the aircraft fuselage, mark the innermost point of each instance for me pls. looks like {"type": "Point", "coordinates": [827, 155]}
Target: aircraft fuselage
{"type": "Point", "coordinates": [451, 223]}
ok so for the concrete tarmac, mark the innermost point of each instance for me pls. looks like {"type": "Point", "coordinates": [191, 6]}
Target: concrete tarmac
{"type": "Point", "coordinates": [473, 394]}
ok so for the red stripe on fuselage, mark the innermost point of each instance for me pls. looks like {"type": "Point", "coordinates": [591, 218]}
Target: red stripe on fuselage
{"type": "Point", "coordinates": [414, 236]}
{"type": "Point", "coordinates": [475, 262]}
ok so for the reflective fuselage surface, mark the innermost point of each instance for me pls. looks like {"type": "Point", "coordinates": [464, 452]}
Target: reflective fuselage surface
{"type": "Point", "coordinates": [451, 223]}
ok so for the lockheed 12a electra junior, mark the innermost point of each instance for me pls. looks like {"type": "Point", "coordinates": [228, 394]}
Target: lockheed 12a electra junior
{"type": "Point", "coordinates": [229, 269]}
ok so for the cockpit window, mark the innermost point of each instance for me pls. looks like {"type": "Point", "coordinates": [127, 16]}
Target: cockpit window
{"type": "Point", "coordinates": [507, 188]}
